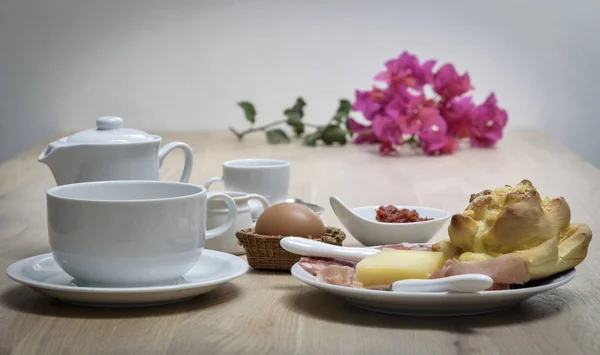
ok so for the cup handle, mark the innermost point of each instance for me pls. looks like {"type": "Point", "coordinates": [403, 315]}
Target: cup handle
{"type": "Point", "coordinates": [189, 158]}
{"type": "Point", "coordinates": [260, 198]}
{"type": "Point", "coordinates": [231, 216]}
{"type": "Point", "coordinates": [212, 181]}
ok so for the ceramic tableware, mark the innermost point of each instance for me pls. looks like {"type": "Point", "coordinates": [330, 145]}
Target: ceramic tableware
{"type": "Point", "coordinates": [110, 152]}
{"type": "Point", "coordinates": [130, 233]}
{"type": "Point", "coordinates": [457, 283]}
{"type": "Point", "coordinates": [316, 208]}
{"type": "Point", "coordinates": [361, 222]}
{"type": "Point", "coordinates": [315, 248]}
{"type": "Point", "coordinates": [212, 270]}
{"type": "Point", "coordinates": [217, 212]}
{"type": "Point", "coordinates": [435, 303]}
{"type": "Point", "coordinates": [269, 178]}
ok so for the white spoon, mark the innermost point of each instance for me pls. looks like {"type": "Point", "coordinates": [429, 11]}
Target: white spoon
{"type": "Point", "coordinates": [309, 247]}
{"type": "Point", "coordinates": [458, 283]}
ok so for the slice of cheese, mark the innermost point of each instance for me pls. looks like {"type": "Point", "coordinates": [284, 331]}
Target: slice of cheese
{"type": "Point", "coordinates": [389, 266]}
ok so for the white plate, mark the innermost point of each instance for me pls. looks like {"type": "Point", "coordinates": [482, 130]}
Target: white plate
{"type": "Point", "coordinates": [43, 274]}
{"type": "Point", "coordinates": [435, 303]}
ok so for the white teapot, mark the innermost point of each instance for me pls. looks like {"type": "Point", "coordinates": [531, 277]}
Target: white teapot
{"type": "Point", "coordinates": [110, 152]}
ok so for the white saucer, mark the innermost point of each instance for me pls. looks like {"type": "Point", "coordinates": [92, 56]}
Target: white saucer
{"type": "Point", "coordinates": [43, 274]}
{"type": "Point", "coordinates": [435, 303]}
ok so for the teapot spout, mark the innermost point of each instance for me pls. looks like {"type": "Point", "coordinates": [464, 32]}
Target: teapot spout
{"type": "Point", "coordinates": [63, 167]}
{"type": "Point", "coordinates": [44, 156]}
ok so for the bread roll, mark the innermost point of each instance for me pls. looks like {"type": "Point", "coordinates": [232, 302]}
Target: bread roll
{"type": "Point", "coordinates": [516, 220]}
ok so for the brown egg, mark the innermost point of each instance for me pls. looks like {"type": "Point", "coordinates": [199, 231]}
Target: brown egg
{"type": "Point", "coordinates": [290, 219]}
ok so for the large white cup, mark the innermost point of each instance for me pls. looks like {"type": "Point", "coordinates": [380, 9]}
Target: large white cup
{"type": "Point", "coordinates": [269, 178]}
{"type": "Point", "coordinates": [130, 233]}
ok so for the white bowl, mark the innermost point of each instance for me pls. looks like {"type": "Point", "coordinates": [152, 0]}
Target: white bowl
{"type": "Point", "coordinates": [361, 222]}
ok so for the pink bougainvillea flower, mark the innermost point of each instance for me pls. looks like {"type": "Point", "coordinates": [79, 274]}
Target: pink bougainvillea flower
{"type": "Point", "coordinates": [403, 102]}
{"type": "Point", "coordinates": [488, 123]}
{"type": "Point", "coordinates": [433, 135]}
{"type": "Point", "coordinates": [366, 138]}
{"type": "Point", "coordinates": [406, 71]}
{"type": "Point", "coordinates": [448, 84]}
{"type": "Point", "coordinates": [368, 102]}
{"type": "Point", "coordinates": [413, 122]}
{"type": "Point", "coordinates": [364, 134]}
{"type": "Point", "coordinates": [386, 129]}
{"type": "Point", "coordinates": [357, 127]}
{"type": "Point", "coordinates": [397, 105]}
{"type": "Point", "coordinates": [450, 145]}
{"type": "Point", "coordinates": [386, 148]}
{"type": "Point", "coordinates": [459, 113]}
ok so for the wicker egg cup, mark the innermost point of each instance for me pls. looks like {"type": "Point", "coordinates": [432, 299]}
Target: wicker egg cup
{"type": "Point", "coordinates": [265, 252]}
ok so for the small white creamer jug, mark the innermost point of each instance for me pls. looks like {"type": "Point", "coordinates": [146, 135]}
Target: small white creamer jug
{"type": "Point", "coordinates": [216, 214]}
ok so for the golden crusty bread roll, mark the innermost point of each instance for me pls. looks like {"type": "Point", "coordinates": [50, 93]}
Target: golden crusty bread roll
{"type": "Point", "coordinates": [517, 221]}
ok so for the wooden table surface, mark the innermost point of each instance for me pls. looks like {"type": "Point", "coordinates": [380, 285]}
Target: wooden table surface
{"type": "Point", "coordinates": [273, 313]}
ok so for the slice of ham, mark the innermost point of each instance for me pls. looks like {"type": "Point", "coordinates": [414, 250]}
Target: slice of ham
{"type": "Point", "coordinates": [341, 275]}
{"type": "Point", "coordinates": [313, 265]}
{"type": "Point", "coordinates": [406, 246]}
{"type": "Point", "coordinates": [506, 269]}
{"type": "Point", "coordinates": [499, 287]}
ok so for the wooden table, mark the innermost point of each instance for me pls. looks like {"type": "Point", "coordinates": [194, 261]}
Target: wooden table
{"type": "Point", "coordinates": [271, 312]}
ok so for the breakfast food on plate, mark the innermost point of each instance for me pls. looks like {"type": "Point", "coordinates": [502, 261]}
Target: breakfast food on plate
{"type": "Point", "coordinates": [281, 220]}
{"type": "Point", "coordinates": [388, 266]}
{"type": "Point", "coordinates": [517, 221]}
{"type": "Point", "coordinates": [510, 234]}
{"type": "Point", "coordinates": [343, 272]}
{"type": "Point", "coordinates": [391, 214]}
{"type": "Point", "coordinates": [505, 270]}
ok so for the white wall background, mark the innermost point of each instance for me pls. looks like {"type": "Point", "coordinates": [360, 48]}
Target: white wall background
{"type": "Point", "coordinates": [182, 65]}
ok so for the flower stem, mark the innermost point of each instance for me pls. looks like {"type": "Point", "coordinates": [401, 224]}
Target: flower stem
{"type": "Point", "coordinates": [241, 134]}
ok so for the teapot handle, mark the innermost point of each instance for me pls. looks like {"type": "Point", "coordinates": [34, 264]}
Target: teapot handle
{"type": "Point", "coordinates": [189, 158]}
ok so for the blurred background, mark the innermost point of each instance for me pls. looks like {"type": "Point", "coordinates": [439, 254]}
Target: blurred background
{"type": "Point", "coordinates": [182, 65]}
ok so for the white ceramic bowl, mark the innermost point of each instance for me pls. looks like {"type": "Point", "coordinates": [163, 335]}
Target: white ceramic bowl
{"type": "Point", "coordinates": [361, 222]}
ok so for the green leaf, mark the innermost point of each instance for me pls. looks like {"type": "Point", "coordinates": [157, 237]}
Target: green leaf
{"type": "Point", "coordinates": [298, 129]}
{"type": "Point", "coordinates": [332, 134]}
{"type": "Point", "coordinates": [345, 106]}
{"type": "Point", "coordinates": [339, 117]}
{"type": "Point", "coordinates": [294, 118]}
{"type": "Point", "coordinates": [276, 136]}
{"type": "Point", "coordinates": [299, 105]}
{"type": "Point", "coordinates": [297, 109]}
{"type": "Point", "coordinates": [311, 139]}
{"type": "Point", "coordinates": [249, 111]}
{"type": "Point", "coordinates": [295, 121]}
{"type": "Point", "coordinates": [348, 130]}
{"type": "Point", "coordinates": [343, 111]}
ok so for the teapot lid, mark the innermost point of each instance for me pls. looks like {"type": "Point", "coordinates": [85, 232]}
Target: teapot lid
{"type": "Point", "coordinates": [109, 129]}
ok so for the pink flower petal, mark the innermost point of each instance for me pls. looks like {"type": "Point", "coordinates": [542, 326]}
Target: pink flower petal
{"type": "Point", "coordinates": [433, 135]}
{"type": "Point", "coordinates": [448, 84]}
{"type": "Point", "coordinates": [357, 127]}
{"type": "Point", "coordinates": [488, 123]}
{"type": "Point", "coordinates": [459, 113]}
